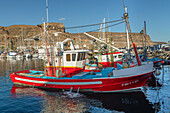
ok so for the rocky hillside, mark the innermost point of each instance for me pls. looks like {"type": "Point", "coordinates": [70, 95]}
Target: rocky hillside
{"type": "Point", "coordinates": [119, 39]}
{"type": "Point", "coordinates": [18, 33]}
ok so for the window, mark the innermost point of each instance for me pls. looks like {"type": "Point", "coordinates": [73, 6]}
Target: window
{"type": "Point", "coordinates": [120, 56]}
{"type": "Point", "coordinates": [68, 57]}
{"type": "Point", "coordinates": [73, 57]}
{"type": "Point", "coordinates": [78, 58]}
{"type": "Point", "coordinates": [83, 56]}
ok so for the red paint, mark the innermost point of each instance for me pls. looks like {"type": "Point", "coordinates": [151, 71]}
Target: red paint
{"type": "Point", "coordinates": [67, 71]}
{"type": "Point", "coordinates": [108, 64]}
{"type": "Point", "coordinates": [136, 53]}
{"type": "Point", "coordinates": [86, 70]}
{"type": "Point", "coordinates": [114, 53]}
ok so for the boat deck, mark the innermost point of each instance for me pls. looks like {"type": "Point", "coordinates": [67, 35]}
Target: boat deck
{"type": "Point", "coordinates": [82, 75]}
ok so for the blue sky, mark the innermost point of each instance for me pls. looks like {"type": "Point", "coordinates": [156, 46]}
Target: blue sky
{"type": "Point", "coordinates": [156, 13]}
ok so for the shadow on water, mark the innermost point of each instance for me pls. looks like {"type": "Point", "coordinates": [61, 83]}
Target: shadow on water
{"type": "Point", "coordinates": [132, 102]}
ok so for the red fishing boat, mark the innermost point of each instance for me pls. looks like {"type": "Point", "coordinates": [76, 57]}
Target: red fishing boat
{"type": "Point", "coordinates": [64, 71]}
{"type": "Point", "coordinates": [69, 76]}
{"type": "Point", "coordinates": [120, 80]}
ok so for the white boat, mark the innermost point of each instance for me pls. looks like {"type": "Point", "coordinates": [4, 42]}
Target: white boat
{"type": "Point", "coordinates": [20, 55]}
{"type": "Point", "coordinates": [12, 53]}
{"type": "Point", "coordinates": [35, 55]}
{"type": "Point", "coordinates": [27, 54]}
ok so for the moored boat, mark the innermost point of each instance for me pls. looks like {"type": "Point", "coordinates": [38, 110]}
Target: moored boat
{"type": "Point", "coordinates": [108, 80]}
{"type": "Point", "coordinates": [12, 54]}
{"type": "Point", "coordinates": [64, 71]}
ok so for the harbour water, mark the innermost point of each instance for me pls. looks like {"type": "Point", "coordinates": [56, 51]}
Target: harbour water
{"type": "Point", "coordinates": [31, 100]}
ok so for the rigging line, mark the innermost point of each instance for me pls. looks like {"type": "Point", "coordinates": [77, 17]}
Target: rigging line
{"type": "Point", "coordinates": [93, 24]}
{"type": "Point", "coordinates": [107, 26]}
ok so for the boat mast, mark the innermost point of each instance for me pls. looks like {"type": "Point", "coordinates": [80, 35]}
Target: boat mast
{"type": "Point", "coordinates": [128, 46]}
{"type": "Point", "coordinates": [104, 30]}
{"type": "Point", "coordinates": [5, 43]}
{"type": "Point", "coordinates": [145, 49]}
{"type": "Point", "coordinates": [47, 10]}
{"type": "Point", "coordinates": [47, 52]}
{"type": "Point", "coordinates": [127, 21]}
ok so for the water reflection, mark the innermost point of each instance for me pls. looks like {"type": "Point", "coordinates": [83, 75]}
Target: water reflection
{"type": "Point", "coordinates": [8, 66]}
{"type": "Point", "coordinates": [66, 102]}
{"type": "Point", "coordinates": [127, 102]}
{"type": "Point", "coordinates": [45, 101]}
{"type": "Point", "coordinates": [54, 102]}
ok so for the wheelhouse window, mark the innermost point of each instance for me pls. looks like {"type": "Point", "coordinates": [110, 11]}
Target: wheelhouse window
{"type": "Point", "coordinates": [73, 57]}
{"type": "Point", "coordinates": [120, 56]}
{"type": "Point", "coordinates": [81, 56]}
{"type": "Point", "coordinates": [68, 58]}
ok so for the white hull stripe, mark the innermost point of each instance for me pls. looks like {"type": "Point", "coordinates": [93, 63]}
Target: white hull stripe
{"type": "Point", "coordinates": [123, 90]}
{"type": "Point", "coordinates": [60, 83]}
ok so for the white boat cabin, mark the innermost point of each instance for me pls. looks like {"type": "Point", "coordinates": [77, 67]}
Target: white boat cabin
{"type": "Point", "coordinates": [107, 57]}
{"type": "Point", "coordinates": [66, 56]}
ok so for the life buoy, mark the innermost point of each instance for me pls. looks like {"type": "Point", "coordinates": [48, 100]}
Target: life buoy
{"type": "Point", "coordinates": [162, 62]}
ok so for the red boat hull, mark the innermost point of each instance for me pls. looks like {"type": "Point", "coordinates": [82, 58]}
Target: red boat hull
{"type": "Point", "coordinates": [107, 84]}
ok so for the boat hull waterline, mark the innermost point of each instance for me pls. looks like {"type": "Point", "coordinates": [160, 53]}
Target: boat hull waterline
{"type": "Point", "coordinates": [103, 85]}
